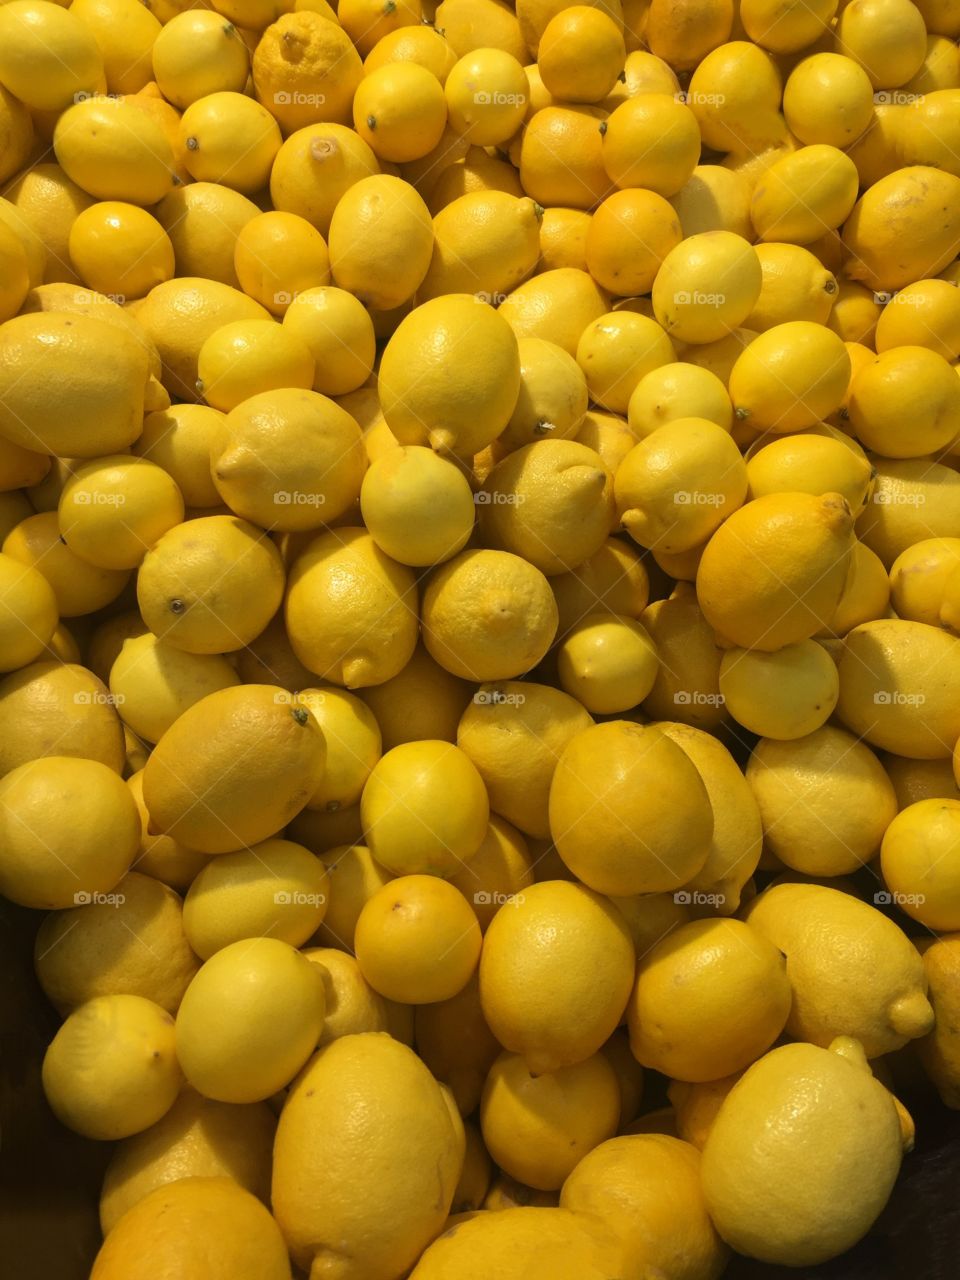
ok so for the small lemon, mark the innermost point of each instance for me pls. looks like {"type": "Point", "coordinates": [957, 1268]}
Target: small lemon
{"type": "Point", "coordinates": [339, 333]}
{"type": "Point", "coordinates": [381, 241]}
{"type": "Point", "coordinates": [581, 54]}
{"type": "Point", "coordinates": [50, 58]}
{"type": "Point", "coordinates": [229, 139]}
{"type": "Point", "coordinates": [607, 663]}
{"type": "Point", "coordinates": [906, 403]}
{"type": "Point", "coordinates": [783, 695]}
{"type": "Point", "coordinates": [608, 435]}
{"type": "Point", "coordinates": [486, 242]}
{"type": "Point", "coordinates": [629, 235]}
{"type": "Point", "coordinates": [486, 93]}
{"type": "Point", "coordinates": [415, 43]}
{"type": "Point", "coordinates": [919, 576]}
{"type": "Point", "coordinates": [613, 580]}
{"type": "Point", "coordinates": [651, 141]}
{"type": "Point", "coordinates": [561, 157]}
{"type": "Point", "coordinates": [924, 314]}
{"type": "Point", "coordinates": [423, 700]}
{"type": "Point", "coordinates": [805, 194]}
{"type": "Point", "coordinates": [855, 313]}
{"type": "Point", "coordinates": [113, 151]}
{"type": "Point", "coordinates": [887, 37]}
{"type": "Point", "coordinates": [314, 167]}
{"type": "Point", "coordinates": [828, 98]}
{"type": "Point", "coordinates": [707, 286]}
{"type": "Point", "coordinates": [351, 1006]}
{"type": "Point", "coordinates": [616, 350]}
{"type": "Point", "coordinates": [198, 53]}
{"type": "Point", "coordinates": [249, 1020]}
{"type": "Point", "coordinates": [277, 257]}
{"type": "Point", "coordinates": [553, 395]}
{"type": "Point", "coordinates": [114, 509]}
{"type": "Point", "coordinates": [304, 68]}
{"type": "Point", "coordinates": [153, 683]}
{"type": "Point", "coordinates": [79, 586]}
{"type": "Point", "coordinates": [120, 250]}
{"type": "Point", "coordinates": [247, 357]}
{"type": "Point", "coordinates": [400, 111]}
{"type": "Point", "coordinates": [28, 613]}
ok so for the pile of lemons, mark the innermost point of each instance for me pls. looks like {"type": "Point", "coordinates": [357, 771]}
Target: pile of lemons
{"type": "Point", "coordinates": [480, 621]}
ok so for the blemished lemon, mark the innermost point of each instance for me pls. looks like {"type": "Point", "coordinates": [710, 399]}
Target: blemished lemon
{"type": "Point", "coordinates": [900, 687]}
{"type": "Point", "coordinates": [616, 350]}
{"type": "Point", "coordinates": [417, 43]}
{"type": "Point", "coordinates": [804, 195]}
{"type": "Point", "coordinates": [894, 236]}
{"type": "Point", "coordinates": [810, 463]}
{"type": "Point", "coordinates": [430, 394]}
{"type": "Point", "coordinates": [249, 1020]}
{"type": "Point", "coordinates": [81, 953]}
{"type": "Point", "coordinates": [581, 54]}
{"type": "Point", "coordinates": [173, 1227]}
{"type": "Point", "coordinates": [381, 241]}
{"type": "Point", "coordinates": [417, 940]}
{"type": "Point", "coordinates": [351, 1006]}
{"type": "Point", "coordinates": [339, 334]}
{"type": "Point", "coordinates": [423, 700]}
{"type": "Point", "coordinates": [597, 812]}
{"type": "Point", "coordinates": [314, 167]}
{"type": "Point", "coordinates": [815, 1107]}
{"type": "Point", "coordinates": [629, 235]}
{"type": "Point", "coordinates": [120, 250]}
{"type": "Point", "coordinates": [153, 683]}
{"type": "Point", "coordinates": [79, 586]}
{"type": "Point", "coordinates": [607, 663]}
{"type": "Point", "coordinates": [709, 1000]}
{"type": "Point", "coordinates": [288, 459]}
{"type": "Point", "coordinates": [677, 485]}
{"type": "Point", "coordinates": [400, 111]}
{"type": "Point", "coordinates": [707, 286]}
{"type": "Point", "coordinates": [514, 732]}
{"type": "Point", "coordinates": [678, 390]}
{"type": "Point", "coordinates": [353, 743]}
{"type": "Point", "coordinates": [178, 440]}
{"type": "Point", "coordinates": [328, 1136]}
{"type": "Point", "coordinates": [613, 580]}
{"type": "Point", "coordinates": [275, 889]}
{"type": "Point", "coordinates": [197, 1138]}
{"type": "Point", "coordinates": [70, 831]}
{"type": "Point", "coordinates": [367, 22]}
{"type": "Point", "coordinates": [553, 397]}
{"type": "Point", "coordinates": [60, 707]}
{"type": "Point", "coordinates": [925, 314]}
{"type": "Point", "coordinates": [49, 58]}
{"type": "Point", "coordinates": [555, 973]}
{"type": "Point", "coordinates": [486, 94]}
{"type": "Point", "coordinates": [279, 256]}
{"type": "Point", "coordinates": [790, 377]}
{"type": "Point", "coordinates": [355, 878]}
{"type": "Point", "coordinates": [822, 931]}
{"type": "Point", "coordinates": [486, 243]}
{"type": "Point", "coordinates": [111, 1070]}
{"type": "Point", "coordinates": [773, 573]}
{"type": "Point", "coordinates": [305, 66]}
{"type": "Point", "coordinates": [351, 610]}
{"type": "Point", "coordinates": [561, 157]}
{"type": "Point", "coordinates": [651, 141]}
{"type": "Point", "coordinates": [114, 509]}
{"type": "Point", "coordinates": [240, 806]}
{"type": "Point", "coordinates": [210, 585]}
{"type": "Point", "coordinates": [28, 613]}
{"type": "Point", "coordinates": [828, 98]}
{"type": "Point", "coordinates": [198, 53]}
{"type": "Point", "coordinates": [113, 151]}
{"type": "Point", "coordinates": [424, 809]}
{"type": "Point", "coordinates": [550, 502]}
{"type": "Point", "coordinates": [906, 403]}
{"type": "Point", "coordinates": [247, 357]}
{"type": "Point", "coordinates": [418, 507]}
{"type": "Point", "coordinates": [918, 856]}
{"type": "Point", "coordinates": [453, 1039]}
{"type": "Point", "coordinates": [538, 1127]}
{"type": "Point", "coordinates": [555, 305]}
{"type": "Point", "coordinates": [786, 694]}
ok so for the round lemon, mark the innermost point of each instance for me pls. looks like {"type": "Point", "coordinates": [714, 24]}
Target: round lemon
{"type": "Point", "coordinates": [314, 167]}
{"type": "Point", "coordinates": [561, 157]}
{"type": "Point", "coordinates": [790, 377]}
{"type": "Point", "coordinates": [580, 55]}
{"type": "Point", "coordinates": [786, 694]}
{"type": "Point", "coordinates": [925, 314]}
{"type": "Point", "coordinates": [678, 390]}
{"type": "Point", "coordinates": [49, 57]}
{"type": "Point", "coordinates": [651, 141]}
{"type": "Point", "coordinates": [556, 306]}
{"type": "Point", "coordinates": [607, 663]}
{"type": "Point", "coordinates": [629, 235]}
{"type": "Point", "coordinates": [796, 286]}
{"type": "Point", "coordinates": [917, 857]}
{"type": "Point", "coordinates": [906, 403]}
{"type": "Point", "coordinates": [79, 586]}
{"type": "Point", "coordinates": [400, 111]}
{"type": "Point", "coordinates": [828, 98]}
{"type": "Point", "coordinates": [197, 53]}
{"type": "Point", "coordinates": [120, 250]}
{"type": "Point", "coordinates": [735, 95]}
{"type": "Point", "coordinates": [418, 507]}
{"type": "Point", "coordinates": [277, 257]}
{"type": "Point", "coordinates": [613, 580]}
{"type": "Point", "coordinates": [887, 38]}
{"type": "Point", "coordinates": [339, 333]}
{"type": "Point", "coordinates": [707, 286]}
{"type": "Point", "coordinates": [486, 93]}
{"type": "Point", "coordinates": [58, 708]}
{"type": "Point", "coordinates": [486, 242]}
{"type": "Point", "coordinates": [855, 313]}
{"type": "Point", "coordinates": [422, 701]}
{"type": "Point", "coordinates": [229, 139]}
{"type": "Point", "coordinates": [114, 509]}
{"type": "Point", "coordinates": [421, 43]}
{"type": "Point", "coordinates": [783, 27]}
{"type": "Point", "coordinates": [153, 683]}
{"type": "Point", "coordinates": [178, 440]}
{"type": "Point", "coordinates": [616, 350]}
{"type": "Point", "coordinates": [351, 1004]}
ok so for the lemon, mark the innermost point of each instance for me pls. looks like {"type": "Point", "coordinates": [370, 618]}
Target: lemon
{"type": "Point", "coordinates": [556, 306]}
{"type": "Point", "coordinates": [887, 38]}
{"type": "Point", "coordinates": [28, 613]}
{"type": "Point", "coordinates": [120, 250]}
{"type": "Point", "coordinates": [915, 780]}
{"type": "Point", "coordinates": [172, 1228]}
{"type": "Point", "coordinates": [707, 286]}
{"type": "Point", "coordinates": [486, 95]}
{"type": "Point", "coordinates": [400, 489]}
{"type": "Point", "coordinates": [950, 607]}
{"type": "Point", "coordinates": [804, 195]}
{"type": "Point", "coordinates": [796, 286]}
{"type": "Point", "coordinates": [351, 1006]}
{"type": "Point", "coordinates": [553, 395]}
{"type": "Point", "coordinates": [277, 257]}
{"type": "Point", "coordinates": [48, 201]}
{"type": "Point", "coordinates": [153, 683]}
{"type": "Point", "coordinates": [550, 502]}
{"type": "Point", "coordinates": [783, 695]}
{"type": "Point", "coordinates": [355, 878]}
{"type": "Point", "coordinates": [288, 459]}
{"type": "Point", "coordinates": [629, 235]}
{"type": "Point", "coordinates": [422, 44]}
{"type": "Point", "coordinates": [687, 685]}
{"type": "Point", "coordinates": [734, 95]}
{"type": "Point", "coordinates": [16, 134]}
{"type": "Point", "coordinates": [87, 951]}
{"type": "Point", "coordinates": [608, 435]}
{"type": "Point", "coordinates": [351, 610]}
{"type": "Point", "coordinates": [476, 1174]}
{"type": "Point", "coordinates": [581, 54]}
{"type": "Point", "coordinates": [607, 663]}
{"type": "Point", "coordinates": [178, 440]}
{"type": "Point", "coordinates": [682, 33]}
{"type": "Point", "coordinates": [486, 242]}
{"type": "Point", "coordinates": [925, 314]}
{"type": "Point", "coordinates": [237, 810]}
{"type": "Point", "coordinates": [339, 333]}
{"type": "Point", "coordinates": [500, 869]}
{"type": "Point", "coordinates": [353, 742]}
{"type": "Point", "coordinates": [644, 72]}
{"type": "Point", "coordinates": [34, 250]}
{"type": "Point", "coordinates": [364, 1104]}
{"type": "Point", "coordinates": [125, 32]}
{"type": "Point", "coordinates": [78, 586]}
{"type": "Point", "coordinates": [305, 67]}
{"type": "Point", "coordinates": [893, 235]}
{"type": "Point", "coordinates": [828, 98]}
{"type": "Point", "coordinates": [555, 973]}
{"type": "Point", "coordinates": [229, 139]}
{"type": "Point", "coordinates": [652, 141]}
{"type": "Point", "coordinates": [913, 499]}
{"type": "Point", "coordinates": [54, 708]}
{"type": "Point", "coordinates": [912, 381]}
{"type": "Point", "coordinates": [810, 463]}
{"type": "Point", "coordinates": [696, 1106]}
{"type": "Point", "coordinates": [784, 27]}
{"type": "Point", "coordinates": [537, 1127]}
{"type": "Point", "coordinates": [114, 509]}
{"type": "Point", "coordinates": [855, 313]}
{"type": "Point", "coordinates": [210, 585]}
{"type": "Point", "coordinates": [790, 377]}
{"type": "Point", "coordinates": [197, 53]}
{"type": "Point", "coordinates": [616, 350]}
{"type": "Point", "coordinates": [561, 157]}
{"type": "Point", "coordinates": [613, 580]}
{"type": "Point", "coordinates": [400, 111]}
{"type": "Point", "coordinates": [16, 276]}
{"type": "Point", "coordinates": [677, 485]}
{"type": "Point", "coordinates": [313, 169]}
{"type": "Point", "coordinates": [678, 390]}
{"type": "Point", "coordinates": [197, 1138]}
{"type": "Point", "coordinates": [814, 1108]}
{"type": "Point", "coordinates": [917, 856]}
{"type": "Point", "coordinates": [773, 573]}
{"type": "Point", "coordinates": [366, 22]}
{"type": "Point", "coordinates": [50, 57]}
{"type": "Point", "coordinates": [381, 241]}
{"type": "Point", "coordinates": [247, 357]}
{"type": "Point", "coordinates": [938, 1050]}
{"type": "Point", "coordinates": [900, 687]}
{"type": "Point", "coordinates": [111, 1070]}
{"type": "Point", "coordinates": [202, 221]}
{"type": "Point", "coordinates": [113, 151]}
{"type": "Point", "coordinates": [714, 199]}
{"type": "Point", "coordinates": [423, 700]}
{"type": "Point", "coordinates": [853, 971]}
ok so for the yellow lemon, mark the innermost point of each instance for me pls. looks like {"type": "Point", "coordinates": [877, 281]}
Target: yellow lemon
{"type": "Point", "coordinates": [561, 157]}
{"type": "Point", "coordinates": [630, 234]}
{"type": "Point", "coordinates": [304, 68]}
{"type": "Point", "coordinates": [828, 98]}
{"type": "Point", "coordinates": [486, 242]}
{"type": "Point", "coordinates": [804, 195]}
{"type": "Point", "coordinates": [682, 33]}
{"type": "Point", "coordinates": [178, 440]}
{"type": "Point", "coordinates": [616, 350]}
{"type": "Point", "coordinates": [815, 1108]}
{"type": "Point", "coordinates": [418, 507]}
{"type": "Point", "coordinates": [894, 235]}
{"type": "Point", "coordinates": [277, 257]}
{"type": "Point", "coordinates": [58, 708]}
{"type": "Point", "coordinates": [422, 701]}
{"type": "Point", "coordinates": [125, 32]}
{"type": "Point", "coordinates": [355, 878]}
{"type": "Point", "coordinates": [367, 22]}
{"type": "Point", "coordinates": [783, 695]}
{"type": "Point", "coordinates": [555, 973]}
{"type": "Point", "coordinates": [613, 580]}
{"type": "Point", "coordinates": [16, 133]}
{"type": "Point", "coordinates": [247, 357]}
{"type": "Point", "coordinates": [339, 333]}
{"type": "Point", "coordinates": [917, 859]}
{"type": "Point", "coordinates": [120, 250]}
{"type": "Point", "coordinates": [229, 139]}
{"type": "Point", "coordinates": [677, 485]}
{"type": "Point", "coordinates": [556, 306]}
{"type": "Point", "coordinates": [734, 95]}
{"type": "Point", "coordinates": [925, 314]}
{"type": "Point", "coordinates": [249, 1020]}
{"type": "Point", "coordinates": [16, 276]}
{"type": "Point", "coordinates": [915, 780]}
{"type": "Point", "coordinates": [429, 394]}
{"type": "Point", "coordinates": [351, 1006]}
{"type": "Point", "coordinates": [314, 167]}
{"type": "Point", "coordinates": [790, 377]}
{"type": "Point", "coordinates": [783, 27]}
{"type": "Point", "coordinates": [50, 57]}
{"type": "Point", "coordinates": [553, 395]}
{"type": "Point", "coordinates": [79, 586]}
{"type": "Point", "coordinates": [197, 53]}
{"type": "Point", "coordinates": [22, 469]}
{"type": "Point", "coordinates": [581, 53]}
{"type": "Point", "coordinates": [400, 111]}
{"type": "Point", "coordinates": [810, 463]}
{"type": "Point", "coordinates": [855, 313]}
{"type": "Point", "coordinates": [113, 151]}
{"type": "Point", "coordinates": [714, 199]}
{"type": "Point", "coordinates": [608, 435]}
{"type": "Point", "coordinates": [500, 870]}
{"type": "Point", "coordinates": [202, 221]}
{"type": "Point", "coordinates": [111, 1070]}
{"type": "Point", "coordinates": [153, 683]}
{"type": "Point", "coordinates": [34, 250]}
{"type": "Point", "coordinates": [238, 808]}
{"type": "Point", "coordinates": [906, 403]}
{"type": "Point", "coordinates": [48, 201]}
{"type": "Point", "coordinates": [353, 742]}
{"type": "Point", "coordinates": [414, 43]}
{"type": "Point", "coordinates": [537, 1127]}
{"type": "Point", "coordinates": [28, 613]}
{"type": "Point", "coordinates": [114, 509]}
{"type": "Point", "coordinates": [351, 609]}
{"type": "Point", "coordinates": [644, 72]}
{"type": "Point", "coordinates": [707, 286]}
{"type": "Point", "coordinates": [381, 241]}
{"type": "Point", "coordinates": [687, 684]}
{"type": "Point", "coordinates": [938, 1050]}
{"type": "Point", "coordinates": [887, 38]}
{"type": "Point", "coordinates": [912, 499]}
{"type": "Point", "coordinates": [678, 390]}
{"type": "Point", "coordinates": [486, 94]}
{"type": "Point", "coordinates": [652, 141]}
{"type": "Point", "coordinates": [796, 286]}
{"type": "Point", "coordinates": [607, 663]}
